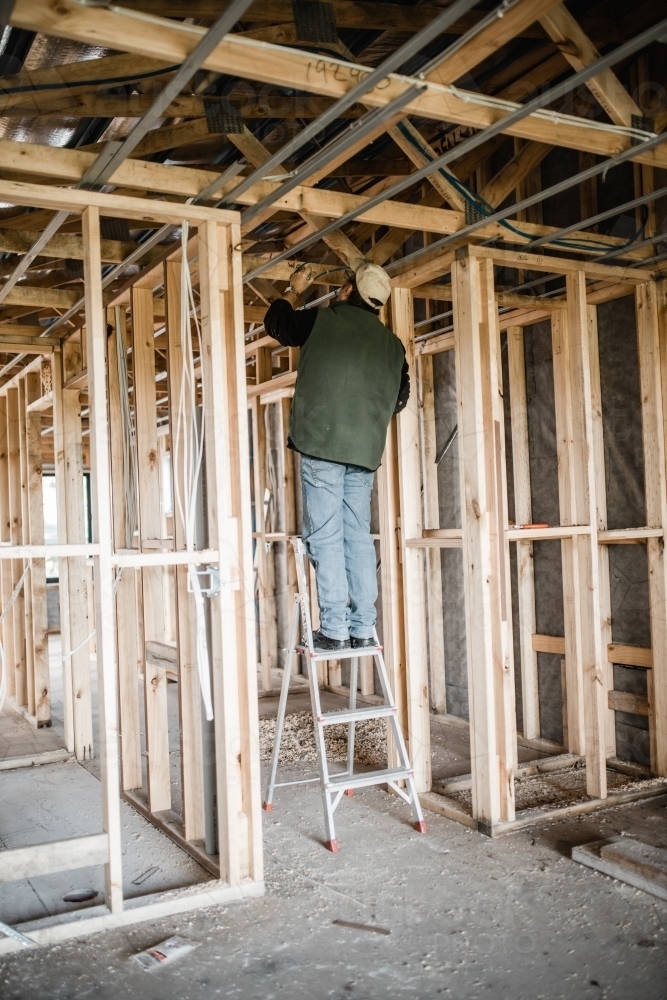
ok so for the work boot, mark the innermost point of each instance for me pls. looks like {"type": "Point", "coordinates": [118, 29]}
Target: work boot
{"type": "Point", "coordinates": [357, 643]}
{"type": "Point", "coordinates": [324, 644]}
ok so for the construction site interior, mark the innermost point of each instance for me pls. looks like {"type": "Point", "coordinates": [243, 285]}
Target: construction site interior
{"type": "Point", "coordinates": [165, 170]}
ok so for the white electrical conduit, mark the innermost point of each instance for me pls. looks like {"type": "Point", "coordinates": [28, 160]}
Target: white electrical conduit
{"type": "Point", "coordinates": [189, 442]}
{"type": "Point", "coordinates": [83, 642]}
{"type": "Point", "coordinates": [129, 465]}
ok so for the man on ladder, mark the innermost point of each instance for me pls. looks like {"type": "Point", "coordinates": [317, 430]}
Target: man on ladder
{"type": "Point", "coordinates": [352, 376]}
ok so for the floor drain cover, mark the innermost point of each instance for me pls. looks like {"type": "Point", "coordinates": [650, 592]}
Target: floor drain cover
{"type": "Point", "coordinates": [79, 896]}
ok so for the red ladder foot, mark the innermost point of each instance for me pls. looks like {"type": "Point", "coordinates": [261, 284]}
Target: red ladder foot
{"type": "Point", "coordinates": [349, 792]}
{"type": "Point", "coordinates": [420, 826]}
{"type": "Point", "coordinates": [267, 806]}
{"type": "Point", "coordinates": [332, 845]}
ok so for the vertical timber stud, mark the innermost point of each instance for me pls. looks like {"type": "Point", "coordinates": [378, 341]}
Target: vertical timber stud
{"type": "Point", "coordinates": [581, 585]}
{"type": "Point", "coordinates": [35, 520]}
{"type": "Point", "coordinates": [563, 402]}
{"type": "Point", "coordinates": [228, 498]}
{"type": "Point", "coordinates": [414, 605]}
{"type": "Point", "coordinates": [126, 591]}
{"type": "Point", "coordinates": [96, 345]}
{"type": "Point", "coordinates": [229, 239]}
{"type": "Point", "coordinates": [286, 517]}
{"type": "Point", "coordinates": [77, 599]}
{"type": "Point", "coordinates": [259, 455]}
{"type": "Point", "coordinates": [485, 548]}
{"type": "Point", "coordinates": [289, 525]}
{"type": "Point", "coordinates": [29, 669]}
{"type": "Point", "coordinates": [650, 303]}
{"type": "Point", "coordinates": [600, 509]}
{"type": "Point", "coordinates": [150, 521]}
{"type": "Point", "coordinates": [431, 514]}
{"type": "Point", "coordinates": [181, 431]}
{"type": "Point", "coordinates": [391, 575]}
{"type": "Point", "coordinates": [7, 627]}
{"type": "Point", "coordinates": [523, 515]}
{"type": "Point", "coordinates": [63, 564]}
{"type": "Point", "coordinates": [259, 489]}
{"type": "Point", "coordinates": [17, 668]}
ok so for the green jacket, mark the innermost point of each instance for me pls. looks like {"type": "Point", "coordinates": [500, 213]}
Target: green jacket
{"type": "Point", "coordinates": [347, 386]}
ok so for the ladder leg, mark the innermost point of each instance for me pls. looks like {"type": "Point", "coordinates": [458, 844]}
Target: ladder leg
{"type": "Point", "coordinates": [331, 842]}
{"type": "Point", "coordinates": [384, 677]}
{"type": "Point", "coordinates": [282, 705]}
{"type": "Point", "coordinates": [354, 671]}
{"type": "Point", "coordinates": [419, 822]}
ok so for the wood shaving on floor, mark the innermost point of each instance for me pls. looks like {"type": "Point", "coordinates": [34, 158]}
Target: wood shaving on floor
{"type": "Point", "coordinates": [298, 740]}
{"type": "Point", "coordinates": [559, 788]}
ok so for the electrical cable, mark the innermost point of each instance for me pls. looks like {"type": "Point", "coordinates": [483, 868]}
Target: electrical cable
{"type": "Point", "coordinates": [116, 151]}
{"type": "Point", "coordinates": [639, 202]}
{"type": "Point", "coordinates": [483, 207]}
{"type": "Point", "coordinates": [349, 137]}
{"type": "Point", "coordinates": [91, 635]}
{"type": "Point", "coordinates": [367, 80]}
{"type": "Point", "coordinates": [189, 443]}
{"type": "Point", "coordinates": [322, 298]}
{"type": "Point", "coordinates": [128, 437]}
{"type": "Point", "coordinates": [534, 199]}
{"type": "Point", "coordinates": [501, 125]}
{"type": "Point", "coordinates": [102, 82]}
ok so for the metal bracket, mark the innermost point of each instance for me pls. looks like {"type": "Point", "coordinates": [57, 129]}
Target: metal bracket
{"type": "Point", "coordinates": [223, 115]}
{"type": "Point", "coordinates": [644, 125]}
{"type": "Point", "coordinates": [214, 574]}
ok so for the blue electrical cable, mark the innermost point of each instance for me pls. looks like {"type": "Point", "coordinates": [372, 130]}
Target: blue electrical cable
{"type": "Point", "coordinates": [482, 206]}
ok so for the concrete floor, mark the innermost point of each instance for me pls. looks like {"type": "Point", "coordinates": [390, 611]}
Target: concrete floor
{"type": "Point", "coordinates": [468, 918]}
{"type": "Point", "coordinates": [59, 801]}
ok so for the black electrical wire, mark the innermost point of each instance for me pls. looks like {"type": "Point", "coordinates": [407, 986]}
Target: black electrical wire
{"type": "Point", "coordinates": [104, 82]}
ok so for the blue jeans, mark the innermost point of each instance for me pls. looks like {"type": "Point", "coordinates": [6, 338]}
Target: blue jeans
{"type": "Point", "coordinates": [337, 535]}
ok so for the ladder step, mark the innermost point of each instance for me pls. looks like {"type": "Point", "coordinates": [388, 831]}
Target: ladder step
{"type": "Point", "coordinates": [369, 778]}
{"type": "Point", "coordinates": [338, 654]}
{"type": "Point", "coordinates": [356, 714]}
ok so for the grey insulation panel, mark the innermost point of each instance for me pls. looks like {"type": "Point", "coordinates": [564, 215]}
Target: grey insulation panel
{"type": "Point", "coordinates": [621, 413]}
{"type": "Point", "coordinates": [545, 508]}
{"type": "Point", "coordinates": [449, 498]}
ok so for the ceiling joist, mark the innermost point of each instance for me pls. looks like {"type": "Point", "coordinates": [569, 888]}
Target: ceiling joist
{"type": "Point", "coordinates": [172, 42]}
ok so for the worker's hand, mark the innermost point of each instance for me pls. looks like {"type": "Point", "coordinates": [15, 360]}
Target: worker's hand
{"type": "Point", "coordinates": [301, 280]}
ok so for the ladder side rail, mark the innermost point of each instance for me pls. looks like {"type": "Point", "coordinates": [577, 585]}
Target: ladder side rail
{"type": "Point", "coordinates": [282, 706]}
{"type": "Point", "coordinates": [354, 669]}
{"type": "Point", "coordinates": [383, 675]}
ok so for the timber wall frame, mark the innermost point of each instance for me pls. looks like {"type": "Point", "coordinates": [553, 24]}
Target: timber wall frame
{"type": "Point", "coordinates": [486, 534]}
{"type": "Point", "coordinates": [238, 866]}
{"type": "Point", "coordinates": [410, 538]}
{"type": "Point", "coordinates": [154, 574]}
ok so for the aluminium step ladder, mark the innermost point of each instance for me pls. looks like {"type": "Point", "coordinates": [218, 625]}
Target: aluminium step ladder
{"type": "Point", "coordinates": [334, 786]}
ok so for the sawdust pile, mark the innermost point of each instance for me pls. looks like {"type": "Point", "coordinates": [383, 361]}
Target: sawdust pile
{"type": "Point", "coordinates": [298, 742]}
